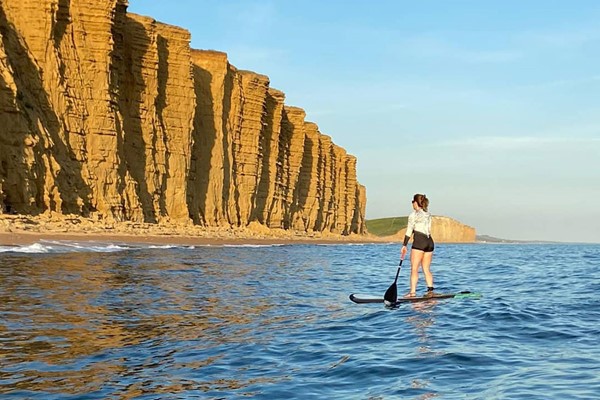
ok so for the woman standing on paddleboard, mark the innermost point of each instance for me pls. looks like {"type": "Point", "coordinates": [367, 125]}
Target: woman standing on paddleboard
{"type": "Point", "coordinates": [421, 253]}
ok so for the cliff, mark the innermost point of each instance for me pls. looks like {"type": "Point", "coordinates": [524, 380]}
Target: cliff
{"type": "Point", "coordinates": [110, 115]}
{"type": "Point", "coordinates": [447, 230]}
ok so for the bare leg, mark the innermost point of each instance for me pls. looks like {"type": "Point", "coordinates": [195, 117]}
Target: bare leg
{"type": "Point", "coordinates": [416, 257]}
{"type": "Point", "coordinates": [426, 271]}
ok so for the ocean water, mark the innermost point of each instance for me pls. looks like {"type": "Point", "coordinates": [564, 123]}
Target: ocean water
{"type": "Point", "coordinates": [117, 321]}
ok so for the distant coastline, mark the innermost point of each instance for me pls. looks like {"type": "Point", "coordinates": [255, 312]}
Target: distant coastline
{"type": "Point", "coordinates": [495, 240]}
{"type": "Point", "coordinates": [443, 229]}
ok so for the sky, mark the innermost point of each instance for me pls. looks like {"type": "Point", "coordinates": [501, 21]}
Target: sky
{"type": "Point", "coordinates": [490, 108]}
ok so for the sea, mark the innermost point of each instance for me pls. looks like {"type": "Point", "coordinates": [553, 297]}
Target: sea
{"type": "Point", "coordinates": [108, 320]}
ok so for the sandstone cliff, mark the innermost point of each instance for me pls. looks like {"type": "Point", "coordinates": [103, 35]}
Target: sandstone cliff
{"type": "Point", "coordinates": [448, 230]}
{"type": "Point", "coordinates": [112, 116]}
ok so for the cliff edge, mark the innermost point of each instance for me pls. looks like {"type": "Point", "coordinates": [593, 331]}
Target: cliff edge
{"type": "Point", "coordinates": [447, 230]}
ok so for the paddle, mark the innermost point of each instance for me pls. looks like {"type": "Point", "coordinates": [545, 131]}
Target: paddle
{"type": "Point", "coordinates": [391, 294]}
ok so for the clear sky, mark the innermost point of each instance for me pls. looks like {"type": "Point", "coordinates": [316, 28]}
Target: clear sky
{"type": "Point", "coordinates": [490, 108]}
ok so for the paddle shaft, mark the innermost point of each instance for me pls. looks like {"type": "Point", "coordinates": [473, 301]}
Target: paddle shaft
{"type": "Point", "coordinates": [398, 272]}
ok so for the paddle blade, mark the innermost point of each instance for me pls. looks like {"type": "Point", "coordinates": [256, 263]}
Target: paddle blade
{"type": "Point", "coordinates": [391, 294]}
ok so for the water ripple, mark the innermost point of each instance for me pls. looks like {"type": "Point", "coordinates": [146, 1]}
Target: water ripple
{"type": "Point", "coordinates": [276, 322]}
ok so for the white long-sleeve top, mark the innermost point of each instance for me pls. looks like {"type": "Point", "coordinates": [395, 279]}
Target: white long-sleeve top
{"type": "Point", "coordinates": [419, 221]}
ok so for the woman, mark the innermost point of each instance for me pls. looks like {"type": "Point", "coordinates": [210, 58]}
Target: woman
{"type": "Point", "coordinates": [419, 225]}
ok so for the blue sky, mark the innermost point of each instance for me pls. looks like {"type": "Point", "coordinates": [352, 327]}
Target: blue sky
{"type": "Point", "coordinates": [490, 108]}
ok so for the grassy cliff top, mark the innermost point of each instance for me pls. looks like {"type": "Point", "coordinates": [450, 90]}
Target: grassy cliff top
{"type": "Point", "coordinates": [386, 226]}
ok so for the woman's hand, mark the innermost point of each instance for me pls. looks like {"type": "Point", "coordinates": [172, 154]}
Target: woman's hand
{"type": "Point", "coordinates": [403, 252]}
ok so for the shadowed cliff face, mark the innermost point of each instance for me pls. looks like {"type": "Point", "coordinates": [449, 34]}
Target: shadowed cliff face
{"type": "Point", "coordinates": [269, 145]}
{"type": "Point", "coordinates": [157, 112]}
{"type": "Point", "coordinates": [112, 115]}
{"type": "Point", "coordinates": [60, 86]}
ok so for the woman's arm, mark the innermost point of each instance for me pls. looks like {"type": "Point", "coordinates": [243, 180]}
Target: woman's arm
{"type": "Point", "coordinates": [409, 231]}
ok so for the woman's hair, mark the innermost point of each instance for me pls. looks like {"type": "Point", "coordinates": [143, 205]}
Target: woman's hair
{"type": "Point", "coordinates": [422, 201]}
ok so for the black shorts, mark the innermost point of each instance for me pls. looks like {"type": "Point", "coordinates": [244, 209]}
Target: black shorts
{"type": "Point", "coordinates": [422, 242]}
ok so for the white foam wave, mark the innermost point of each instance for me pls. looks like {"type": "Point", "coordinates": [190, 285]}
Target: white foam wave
{"type": "Point", "coordinates": [30, 249]}
{"type": "Point", "coordinates": [341, 243]}
{"type": "Point", "coordinates": [65, 246]}
{"type": "Point", "coordinates": [170, 246]}
{"type": "Point", "coordinates": [252, 245]}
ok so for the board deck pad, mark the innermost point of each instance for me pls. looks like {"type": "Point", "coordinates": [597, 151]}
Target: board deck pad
{"type": "Point", "coordinates": [365, 299]}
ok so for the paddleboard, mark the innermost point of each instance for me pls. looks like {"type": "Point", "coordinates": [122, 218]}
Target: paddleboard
{"type": "Point", "coordinates": [362, 299]}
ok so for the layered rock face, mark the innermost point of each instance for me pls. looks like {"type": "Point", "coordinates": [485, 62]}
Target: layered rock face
{"type": "Point", "coordinates": [111, 115]}
{"type": "Point", "coordinates": [448, 230]}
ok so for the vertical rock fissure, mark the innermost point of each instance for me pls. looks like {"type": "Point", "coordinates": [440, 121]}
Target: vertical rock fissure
{"type": "Point", "coordinates": [136, 40]}
{"type": "Point", "coordinates": [161, 130]}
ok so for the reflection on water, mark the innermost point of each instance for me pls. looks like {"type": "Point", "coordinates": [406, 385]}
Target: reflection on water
{"type": "Point", "coordinates": [64, 316]}
{"type": "Point", "coordinates": [421, 319]}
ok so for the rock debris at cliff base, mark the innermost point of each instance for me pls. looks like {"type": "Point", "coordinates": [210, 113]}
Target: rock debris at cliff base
{"type": "Point", "coordinates": [111, 116]}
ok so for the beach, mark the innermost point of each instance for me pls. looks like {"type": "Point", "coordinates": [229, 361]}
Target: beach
{"type": "Point", "coordinates": [25, 230]}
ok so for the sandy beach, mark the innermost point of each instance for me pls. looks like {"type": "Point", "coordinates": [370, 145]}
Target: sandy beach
{"type": "Point", "coordinates": [25, 230]}
{"type": "Point", "coordinates": [26, 238]}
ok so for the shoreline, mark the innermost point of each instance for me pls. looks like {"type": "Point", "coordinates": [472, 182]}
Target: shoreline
{"type": "Point", "coordinates": [19, 230]}
{"type": "Point", "coordinates": [28, 238]}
